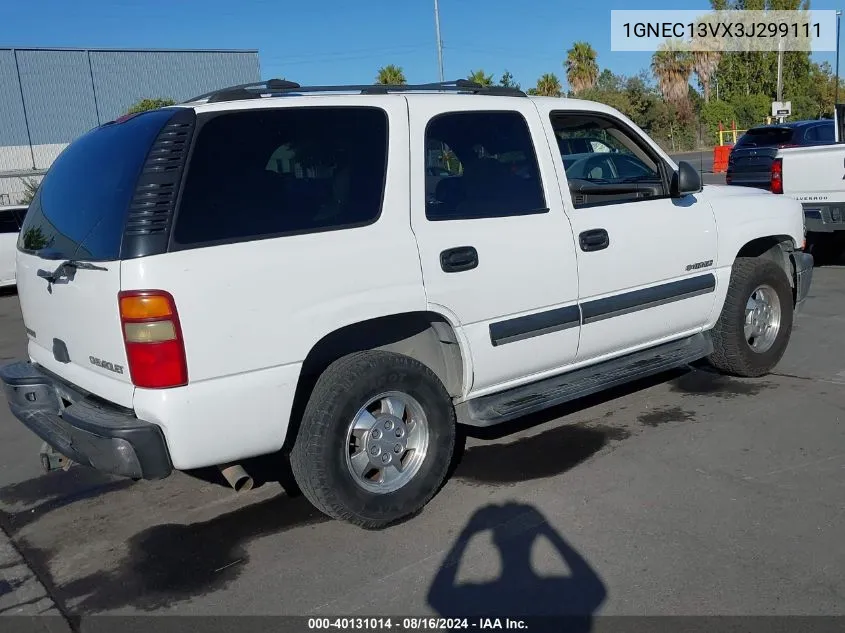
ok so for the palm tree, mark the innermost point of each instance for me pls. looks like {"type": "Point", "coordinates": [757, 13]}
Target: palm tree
{"type": "Point", "coordinates": [582, 71]}
{"type": "Point", "coordinates": [704, 65]}
{"type": "Point", "coordinates": [480, 78]}
{"type": "Point", "coordinates": [548, 85]}
{"type": "Point", "coordinates": [672, 67]}
{"type": "Point", "coordinates": [706, 57]}
{"type": "Point", "coordinates": [391, 75]}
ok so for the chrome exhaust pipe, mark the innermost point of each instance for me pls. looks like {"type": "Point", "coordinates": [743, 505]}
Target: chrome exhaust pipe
{"type": "Point", "coordinates": [237, 477]}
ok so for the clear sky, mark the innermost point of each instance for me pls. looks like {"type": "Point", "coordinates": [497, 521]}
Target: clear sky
{"type": "Point", "coordinates": [346, 41]}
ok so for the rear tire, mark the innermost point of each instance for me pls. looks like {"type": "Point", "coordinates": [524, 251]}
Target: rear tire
{"type": "Point", "coordinates": [367, 407]}
{"type": "Point", "coordinates": [754, 328]}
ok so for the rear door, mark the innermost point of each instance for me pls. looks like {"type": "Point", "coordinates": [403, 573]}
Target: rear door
{"type": "Point", "coordinates": [495, 245]}
{"type": "Point", "coordinates": [78, 216]}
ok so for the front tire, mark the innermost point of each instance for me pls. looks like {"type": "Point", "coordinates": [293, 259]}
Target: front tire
{"type": "Point", "coordinates": [754, 328]}
{"type": "Point", "coordinates": [376, 439]}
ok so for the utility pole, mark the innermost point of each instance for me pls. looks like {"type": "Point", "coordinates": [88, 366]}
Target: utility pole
{"type": "Point", "coordinates": [836, 90]}
{"type": "Point", "coordinates": [439, 40]}
{"type": "Point", "coordinates": [780, 76]}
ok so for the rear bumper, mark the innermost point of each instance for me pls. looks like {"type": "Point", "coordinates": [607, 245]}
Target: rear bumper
{"type": "Point", "coordinates": [88, 431]}
{"type": "Point", "coordinates": [803, 263]}
{"type": "Point", "coordinates": [824, 218]}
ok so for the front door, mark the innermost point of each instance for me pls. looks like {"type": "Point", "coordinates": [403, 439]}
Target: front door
{"type": "Point", "coordinates": [496, 248]}
{"type": "Point", "coordinates": [645, 260]}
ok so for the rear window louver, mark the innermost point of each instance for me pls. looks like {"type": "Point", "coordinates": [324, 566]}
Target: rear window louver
{"type": "Point", "coordinates": [154, 200]}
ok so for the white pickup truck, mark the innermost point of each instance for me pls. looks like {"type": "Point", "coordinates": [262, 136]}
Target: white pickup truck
{"type": "Point", "coordinates": [346, 274]}
{"type": "Point", "coordinates": [815, 176]}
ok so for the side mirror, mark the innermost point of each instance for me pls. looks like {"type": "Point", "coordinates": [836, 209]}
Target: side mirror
{"type": "Point", "coordinates": [685, 180]}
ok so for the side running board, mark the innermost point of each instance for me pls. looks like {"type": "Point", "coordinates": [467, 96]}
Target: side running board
{"type": "Point", "coordinates": [550, 392]}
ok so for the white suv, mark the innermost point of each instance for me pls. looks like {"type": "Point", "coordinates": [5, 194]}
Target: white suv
{"type": "Point", "coordinates": [344, 275]}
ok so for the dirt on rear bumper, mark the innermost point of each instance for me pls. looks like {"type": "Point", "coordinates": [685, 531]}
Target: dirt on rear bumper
{"type": "Point", "coordinates": [86, 430]}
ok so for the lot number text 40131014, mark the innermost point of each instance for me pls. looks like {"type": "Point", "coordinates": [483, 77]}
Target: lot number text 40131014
{"type": "Point", "coordinates": [416, 624]}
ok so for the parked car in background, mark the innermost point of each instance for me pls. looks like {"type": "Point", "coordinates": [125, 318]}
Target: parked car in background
{"type": "Point", "coordinates": [11, 219]}
{"type": "Point", "coordinates": [750, 161]}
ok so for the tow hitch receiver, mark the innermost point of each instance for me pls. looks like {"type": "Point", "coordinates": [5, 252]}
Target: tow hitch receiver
{"type": "Point", "coordinates": [51, 459]}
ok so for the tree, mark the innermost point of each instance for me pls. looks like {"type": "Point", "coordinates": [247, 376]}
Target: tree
{"type": "Point", "coordinates": [751, 110]}
{"type": "Point", "coordinates": [548, 85]}
{"type": "Point", "coordinates": [30, 188]}
{"type": "Point", "coordinates": [149, 104]}
{"type": "Point", "coordinates": [581, 67]}
{"type": "Point", "coordinates": [749, 73]}
{"type": "Point", "coordinates": [480, 78]}
{"type": "Point", "coordinates": [704, 65]}
{"type": "Point", "coordinates": [507, 81]}
{"type": "Point", "coordinates": [714, 113]}
{"type": "Point", "coordinates": [818, 101]}
{"type": "Point", "coordinates": [672, 67]}
{"type": "Point", "coordinates": [391, 75]}
{"type": "Point", "coordinates": [607, 81]}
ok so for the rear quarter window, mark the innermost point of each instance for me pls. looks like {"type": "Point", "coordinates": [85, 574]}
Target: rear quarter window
{"type": "Point", "coordinates": [266, 173]}
{"type": "Point", "coordinates": [80, 208]}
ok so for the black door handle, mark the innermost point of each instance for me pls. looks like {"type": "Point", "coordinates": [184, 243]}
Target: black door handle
{"type": "Point", "coordinates": [594, 240]}
{"type": "Point", "coordinates": [458, 259]}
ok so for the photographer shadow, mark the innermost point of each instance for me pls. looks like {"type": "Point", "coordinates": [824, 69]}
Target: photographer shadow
{"type": "Point", "coordinates": [546, 602]}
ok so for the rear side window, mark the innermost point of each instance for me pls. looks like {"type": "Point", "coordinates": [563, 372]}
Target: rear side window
{"type": "Point", "coordinates": [80, 208]}
{"type": "Point", "coordinates": [265, 173]}
{"type": "Point", "coordinates": [484, 167]}
{"type": "Point", "coordinates": [765, 137]}
{"type": "Point", "coordinates": [8, 221]}
{"type": "Point", "coordinates": [820, 134]}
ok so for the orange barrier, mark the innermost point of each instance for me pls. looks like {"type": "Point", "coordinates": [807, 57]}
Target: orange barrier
{"type": "Point", "coordinates": [720, 158]}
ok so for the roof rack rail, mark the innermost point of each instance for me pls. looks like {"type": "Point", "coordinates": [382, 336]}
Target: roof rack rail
{"type": "Point", "coordinates": [244, 89]}
{"type": "Point", "coordinates": [278, 87]}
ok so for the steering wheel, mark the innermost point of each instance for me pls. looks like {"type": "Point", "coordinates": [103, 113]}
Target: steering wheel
{"type": "Point", "coordinates": [603, 163]}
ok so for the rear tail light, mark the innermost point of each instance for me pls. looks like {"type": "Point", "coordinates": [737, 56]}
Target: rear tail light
{"type": "Point", "coordinates": [776, 183]}
{"type": "Point", "coordinates": [155, 350]}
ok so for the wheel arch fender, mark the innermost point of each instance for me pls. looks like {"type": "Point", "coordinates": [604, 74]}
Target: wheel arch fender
{"type": "Point", "coordinates": [776, 248]}
{"type": "Point", "coordinates": [430, 337]}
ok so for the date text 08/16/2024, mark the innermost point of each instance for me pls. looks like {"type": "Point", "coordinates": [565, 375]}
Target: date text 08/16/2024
{"type": "Point", "coordinates": [415, 624]}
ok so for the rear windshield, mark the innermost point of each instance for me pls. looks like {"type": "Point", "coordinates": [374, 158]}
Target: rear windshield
{"type": "Point", "coordinates": [80, 208]}
{"type": "Point", "coordinates": [765, 137]}
{"type": "Point", "coordinates": [264, 173]}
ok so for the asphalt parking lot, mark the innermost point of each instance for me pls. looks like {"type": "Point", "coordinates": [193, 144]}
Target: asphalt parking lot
{"type": "Point", "coordinates": [690, 493]}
